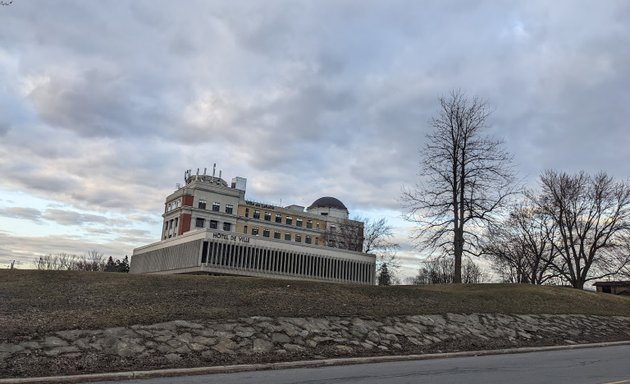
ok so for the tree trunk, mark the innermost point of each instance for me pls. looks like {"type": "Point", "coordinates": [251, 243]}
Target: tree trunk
{"type": "Point", "coordinates": [458, 251]}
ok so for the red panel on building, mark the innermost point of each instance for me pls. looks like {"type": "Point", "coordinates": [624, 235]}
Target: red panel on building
{"type": "Point", "coordinates": [187, 200]}
{"type": "Point", "coordinates": [184, 220]}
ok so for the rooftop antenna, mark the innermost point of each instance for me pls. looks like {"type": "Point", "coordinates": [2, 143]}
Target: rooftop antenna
{"type": "Point", "coordinates": [204, 171]}
{"type": "Point", "coordinates": [214, 169]}
{"type": "Point", "coordinates": [197, 176]}
{"type": "Point", "coordinates": [220, 174]}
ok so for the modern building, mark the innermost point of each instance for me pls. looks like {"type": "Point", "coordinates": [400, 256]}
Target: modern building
{"type": "Point", "coordinates": [209, 227]}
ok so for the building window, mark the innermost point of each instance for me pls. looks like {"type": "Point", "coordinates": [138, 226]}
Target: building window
{"type": "Point", "coordinates": [227, 226]}
{"type": "Point", "coordinates": [199, 222]}
{"type": "Point", "coordinates": [256, 214]}
{"type": "Point", "coordinates": [324, 213]}
{"type": "Point", "coordinates": [309, 223]}
{"type": "Point", "coordinates": [278, 219]}
{"type": "Point", "coordinates": [216, 207]}
{"type": "Point", "coordinates": [317, 225]}
{"type": "Point", "coordinates": [276, 235]}
{"type": "Point", "coordinates": [214, 224]}
{"type": "Point", "coordinates": [287, 236]}
{"type": "Point", "coordinates": [289, 220]}
{"type": "Point", "coordinates": [308, 240]}
{"type": "Point", "coordinates": [255, 231]}
{"type": "Point", "coordinates": [246, 212]}
{"type": "Point", "coordinates": [267, 216]}
{"type": "Point", "coordinates": [202, 204]}
{"type": "Point", "coordinates": [265, 232]}
{"type": "Point", "coordinates": [298, 222]}
{"type": "Point", "coordinates": [298, 238]}
{"type": "Point", "coordinates": [333, 228]}
{"type": "Point", "coordinates": [245, 229]}
{"type": "Point", "coordinates": [229, 208]}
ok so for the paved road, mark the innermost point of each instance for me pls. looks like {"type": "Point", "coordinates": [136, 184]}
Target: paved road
{"type": "Point", "coordinates": [577, 366]}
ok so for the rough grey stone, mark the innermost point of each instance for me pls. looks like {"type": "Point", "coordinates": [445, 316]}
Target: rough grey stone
{"type": "Point", "coordinates": [204, 340]}
{"type": "Point", "coordinates": [280, 338]}
{"type": "Point", "coordinates": [321, 339]}
{"type": "Point", "coordinates": [185, 337]}
{"type": "Point", "coordinates": [30, 345]}
{"type": "Point", "coordinates": [119, 332]}
{"type": "Point", "coordinates": [173, 357]}
{"type": "Point", "coordinates": [261, 346]}
{"type": "Point", "coordinates": [390, 337]}
{"type": "Point", "coordinates": [59, 350]}
{"type": "Point", "coordinates": [225, 346]}
{"type": "Point", "coordinates": [163, 348]}
{"type": "Point", "coordinates": [187, 324]}
{"type": "Point", "coordinates": [127, 348]}
{"type": "Point", "coordinates": [244, 331]}
{"type": "Point", "coordinates": [71, 335]}
{"type": "Point", "coordinates": [52, 341]}
{"type": "Point", "coordinates": [290, 329]}
{"type": "Point", "coordinates": [344, 349]}
{"type": "Point", "coordinates": [293, 348]}
{"type": "Point", "coordinates": [374, 336]}
{"type": "Point", "coordinates": [456, 317]}
{"type": "Point", "coordinates": [391, 330]}
{"type": "Point", "coordinates": [10, 348]}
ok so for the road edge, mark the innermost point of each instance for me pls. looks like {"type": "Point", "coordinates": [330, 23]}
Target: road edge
{"type": "Point", "coordinates": [115, 376]}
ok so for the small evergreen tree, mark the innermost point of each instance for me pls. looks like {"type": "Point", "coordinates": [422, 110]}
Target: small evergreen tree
{"type": "Point", "coordinates": [123, 266]}
{"type": "Point", "coordinates": [384, 278]}
{"type": "Point", "coordinates": [111, 266]}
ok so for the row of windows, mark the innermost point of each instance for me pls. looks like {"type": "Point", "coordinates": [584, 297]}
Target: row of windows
{"type": "Point", "coordinates": [278, 235]}
{"type": "Point", "coordinates": [216, 207]}
{"type": "Point", "coordinates": [285, 262]}
{"type": "Point", "coordinates": [212, 224]}
{"type": "Point", "coordinates": [288, 220]}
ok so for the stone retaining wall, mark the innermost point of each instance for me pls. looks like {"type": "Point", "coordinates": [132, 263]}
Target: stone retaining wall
{"type": "Point", "coordinates": [263, 339]}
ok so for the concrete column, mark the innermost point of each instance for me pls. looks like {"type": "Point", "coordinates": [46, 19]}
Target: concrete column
{"type": "Point", "coordinates": [220, 254]}
{"type": "Point", "coordinates": [318, 266]}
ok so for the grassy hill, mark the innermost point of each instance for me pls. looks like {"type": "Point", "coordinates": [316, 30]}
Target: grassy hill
{"type": "Point", "coordinates": [41, 301]}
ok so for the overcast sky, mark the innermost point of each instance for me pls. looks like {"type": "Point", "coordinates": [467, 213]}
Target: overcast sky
{"type": "Point", "coordinates": [105, 104]}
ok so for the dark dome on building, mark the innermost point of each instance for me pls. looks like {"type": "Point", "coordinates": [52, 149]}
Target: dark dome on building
{"type": "Point", "coordinates": [328, 202]}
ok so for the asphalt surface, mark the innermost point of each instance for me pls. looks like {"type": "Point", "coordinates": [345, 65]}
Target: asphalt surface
{"type": "Point", "coordinates": [574, 366]}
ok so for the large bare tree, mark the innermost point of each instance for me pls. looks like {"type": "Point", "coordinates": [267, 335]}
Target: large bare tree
{"type": "Point", "coordinates": [520, 247]}
{"type": "Point", "coordinates": [592, 217]}
{"type": "Point", "coordinates": [465, 177]}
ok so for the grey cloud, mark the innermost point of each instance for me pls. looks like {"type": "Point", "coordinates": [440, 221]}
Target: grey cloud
{"type": "Point", "coordinates": [66, 217]}
{"type": "Point", "coordinates": [22, 213]}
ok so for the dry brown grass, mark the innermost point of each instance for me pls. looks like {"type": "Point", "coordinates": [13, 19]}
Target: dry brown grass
{"type": "Point", "coordinates": [41, 301]}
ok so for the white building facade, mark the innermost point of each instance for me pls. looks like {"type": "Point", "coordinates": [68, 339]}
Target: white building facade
{"type": "Point", "coordinates": [209, 227]}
